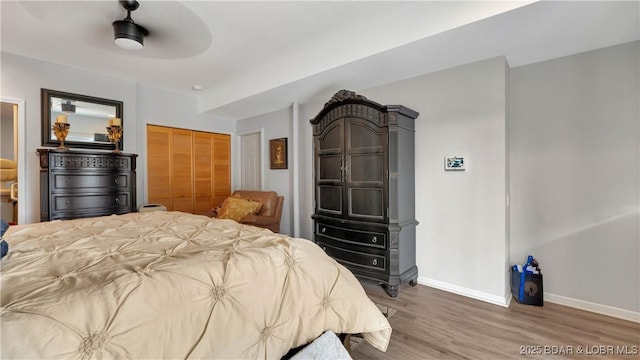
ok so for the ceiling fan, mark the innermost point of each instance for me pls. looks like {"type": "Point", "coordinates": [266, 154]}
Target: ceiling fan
{"type": "Point", "coordinates": [127, 34]}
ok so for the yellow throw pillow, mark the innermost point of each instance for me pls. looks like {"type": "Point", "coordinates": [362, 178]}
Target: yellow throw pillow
{"type": "Point", "coordinates": [236, 208]}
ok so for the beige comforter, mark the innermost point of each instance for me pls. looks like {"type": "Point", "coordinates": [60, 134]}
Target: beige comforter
{"type": "Point", "coordinates": [170, 285]}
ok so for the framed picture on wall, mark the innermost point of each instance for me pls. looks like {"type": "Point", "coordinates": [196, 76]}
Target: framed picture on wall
{"type": "Point", "coordinates": [278, 153]}
{"type": "Point", "coordinates": [454, 162]}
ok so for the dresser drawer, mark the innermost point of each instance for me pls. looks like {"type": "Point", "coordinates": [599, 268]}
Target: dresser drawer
{"type": "Point", "coordinates": [85, 181]}
{"type": "Point", "coordinates": [355, 259]}
{"type": "Point", "coordinates": [359, 237]}
{"type": "Point", "coordinates": [66, 203]}
{"type": "Point", "coordinates": [79, 161]}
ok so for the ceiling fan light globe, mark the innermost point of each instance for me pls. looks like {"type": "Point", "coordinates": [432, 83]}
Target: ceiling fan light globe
{"type": "Point", "coordinates": [128, 35]}
{"type": "Point", "coordinates": [128, 44]}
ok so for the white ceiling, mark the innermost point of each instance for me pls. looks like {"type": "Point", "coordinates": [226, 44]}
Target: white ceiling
{"type": "Point", "coordinates": [254, 57]}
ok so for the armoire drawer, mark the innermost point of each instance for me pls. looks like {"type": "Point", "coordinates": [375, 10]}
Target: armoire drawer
{"type": "Point", "coordinates": [354, 258]}
{"type": "Point", "coordinates": [359, 237]}
{"type": "Point", "coordinates": [90, 202]}
{"type": "Point", "coordinates": [89, 181]}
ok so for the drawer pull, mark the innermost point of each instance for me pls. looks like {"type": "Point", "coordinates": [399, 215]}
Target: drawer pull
{"type": "Point", "coordinates": [323, 230]}
{"type": "Point", "coordinates": [117, 181]}
{"type": "Point", "coordinates": [117, 200]}
{"type": "Point", "coordinates": [375, 262]}
{"type": "Point", "coordinates": [67, 202]}
{"type": "Point", "coordinates": [68, 181]}
{"type": "Point", "coordinates": [324, 248]}
{"type": "Point", "coordinates": [374, 239]}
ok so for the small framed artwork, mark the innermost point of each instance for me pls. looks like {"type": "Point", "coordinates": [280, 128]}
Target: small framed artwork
{"type": "Point", "coordinates": [454, 162]}
{"type": "Point", "coordinates": [278, 153]}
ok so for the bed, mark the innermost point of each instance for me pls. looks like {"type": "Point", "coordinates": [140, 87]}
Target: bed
{"type": "Point", "coordinates": [172, 285]}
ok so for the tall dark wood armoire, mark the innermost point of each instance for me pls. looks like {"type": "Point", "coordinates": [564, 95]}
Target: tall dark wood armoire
{"type": "Point", "coordinates": [365, 188]}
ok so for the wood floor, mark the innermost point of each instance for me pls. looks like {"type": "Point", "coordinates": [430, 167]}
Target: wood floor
{"type": "Point", "coordinates": [434, 324]}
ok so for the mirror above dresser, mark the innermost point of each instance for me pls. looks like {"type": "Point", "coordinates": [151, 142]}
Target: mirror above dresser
{"type": "Point", "coordinates": [87, 116]}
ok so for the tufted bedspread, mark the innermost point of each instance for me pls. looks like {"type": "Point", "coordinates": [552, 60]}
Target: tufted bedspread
{"type": "Point", "coordinates": [170, 285]}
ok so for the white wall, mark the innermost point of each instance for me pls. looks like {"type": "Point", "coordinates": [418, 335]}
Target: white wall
{"type": "Point", "coordinates": [274, 125]}
{"type": "Point", "coordinates": [575, 177]}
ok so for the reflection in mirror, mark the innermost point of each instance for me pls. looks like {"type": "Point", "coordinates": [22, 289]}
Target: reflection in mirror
{"type": "Point", "coordinates": [88, 118]}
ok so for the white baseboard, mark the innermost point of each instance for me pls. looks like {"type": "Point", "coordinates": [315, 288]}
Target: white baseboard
{"type": "Point", "coordinates": [474, 294]}
{"type": "Point", "coordinates": [593, 307]}
{"type": "Point", "coordinates": [552, 298]}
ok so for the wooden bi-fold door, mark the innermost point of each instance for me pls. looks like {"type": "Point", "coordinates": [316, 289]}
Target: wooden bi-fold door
{"type": "Point", "coordinates": [187, 170]}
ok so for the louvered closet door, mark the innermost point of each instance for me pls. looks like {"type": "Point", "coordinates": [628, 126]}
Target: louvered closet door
{"type": "Point", "coordinates": [221, 168]}
{"type": "Point", "coordinates": [202, 172]}
{"type": "Point", "coordinates": [181, 170]}
{"type": "Point", "coordinates": [158, 166]}
{"type": "Point", "coordinates": [366, 174]}
{"type": "Point", "coordinates": [188, 170]}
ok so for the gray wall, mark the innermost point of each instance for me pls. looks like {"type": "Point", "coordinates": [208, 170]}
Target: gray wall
{"type": "Point", "coordinates": [461, 238]}
{"type": "Point", "coordinates": [575, 174]}
{"type": "Point", "coordinates": [568, 157]}
{"type": "Point", "coordinates": [462, 232]}
{"type": "Point", "coordinates": [561, 136]}
{"type": "Point", "coordinates": [274, 125]}
{"type": "Point", "coordinates": [166, 108]}
{"type": "Point", "coordinates": [22, 78]}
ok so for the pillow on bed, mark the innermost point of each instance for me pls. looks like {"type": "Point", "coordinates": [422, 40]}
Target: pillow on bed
{"type": "Point", "coordinates": [236, 208]}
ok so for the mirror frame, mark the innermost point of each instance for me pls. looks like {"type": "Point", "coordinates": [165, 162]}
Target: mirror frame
{"type": "Point", "coordinates": [45, 102]}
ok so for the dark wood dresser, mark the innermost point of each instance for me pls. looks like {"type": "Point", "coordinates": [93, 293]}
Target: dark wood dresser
{"type": "Point", "coordinates": [365, 188]}
{"type": "Point", "coordinates": [78, 184]}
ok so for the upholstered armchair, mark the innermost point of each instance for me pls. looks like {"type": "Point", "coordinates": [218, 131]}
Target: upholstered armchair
{"type": "Point", "coordinates": [268, 214]}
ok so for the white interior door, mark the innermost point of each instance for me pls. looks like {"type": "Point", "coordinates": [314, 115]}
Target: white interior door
{"type": "Point", "coordinates": [250, 162]}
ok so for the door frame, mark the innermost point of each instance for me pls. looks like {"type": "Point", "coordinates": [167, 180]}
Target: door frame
{"type": "Point", "coordinates": [21, 141]}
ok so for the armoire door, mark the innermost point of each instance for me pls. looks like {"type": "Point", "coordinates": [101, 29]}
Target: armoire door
{"type": "Point", "coordinates": [330, 170]}
{"type": "Point", "coordinates": [351, 170]}
{"type": "Point", "coordinates": [365, 170]}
